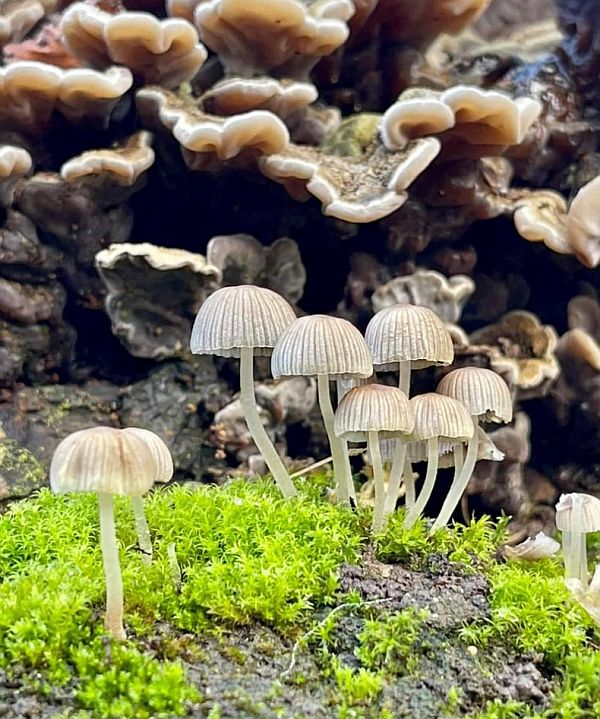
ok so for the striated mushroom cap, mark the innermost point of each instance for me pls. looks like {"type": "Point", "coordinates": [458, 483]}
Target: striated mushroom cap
{"type": "Point", "coordinates": [373, 408]}
{"type": "Point", "coordinates": [483, 392]}
{"type": "Point", "coordinates": [440, 416]}
{"type": "Point", "coordinates": [407, 333]}
{"type": "Point", "coordinates": [241, 316]}
{"type": "Point", "coordinates": [252, 37]}
{"type": "Point", "coordinates": [113, 461]}
{"type": "Point", "coordinates": [161, 51]}
{"type": "Point", "coordinates": [576, 512]}
{"type": "Point", "coordinates": [159, 450]}
{"type": "Point", "coordinates": [321, 345]}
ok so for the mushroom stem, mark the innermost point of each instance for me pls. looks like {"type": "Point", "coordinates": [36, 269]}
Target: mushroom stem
{"type": "Point", "coordinates": [404, 379]}
{"type": "Point", "coordinates": [395, 478]}
{"type": "Point", "coordinates": [112, 569]}
{"type": "Point", "coordinates": [409, 485]}
{"type": "Point", "coordinates": [377, 464]}
{"type": "Point", "coordinates": [255, 426]}
{"type": "Point", "coordinates": [575, 557]}
{"type": "Point", "coordinates": [427, 488]}
{"type": "Point", "coordinates": [142, 529]}
{"type": "Point", "coordinates": [460, 482]}
{"type": "Point", "coordinates": [341, 462]}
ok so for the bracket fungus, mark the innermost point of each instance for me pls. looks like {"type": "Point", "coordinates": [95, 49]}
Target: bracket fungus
{"type": "Point", "coordinates": [576, 516]}
{"type": "Point", "coordinates": [326, 348]}
{"type": "Point", "coordinates": [162, 51]}
{"type": "Point", "coordinates": [486, 396]}
{"type": "Point", "coordinates": [371, 412]}
{"type": "Point", "coordinates": [244, 321]}
{"type": "Point", "coordinates": [438, 419]}
{"type": "Point", "coordinates": [202, 135]}
{"type": "Point", "coordinates": [15, 162]}
{"type": "Point", "coordinates": [109, 462]}
{"type": "Point", "coordinates": [153, 295]}
{"type": "Point", "coordinates": [18, 17]}
{"type": "Point", "coordinates": [474, 116]}
{"type": "Point", "coordinates": [251, 37]}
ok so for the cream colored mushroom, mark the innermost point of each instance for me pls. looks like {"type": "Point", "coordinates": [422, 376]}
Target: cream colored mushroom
{"type": "Point", "coordinates": [577, 515]}
{"type": "Point", "coordinates": [583, 224]}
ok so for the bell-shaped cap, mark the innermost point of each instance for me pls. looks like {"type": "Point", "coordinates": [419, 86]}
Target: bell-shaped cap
{"type": "Point", "coordinates": [439, 416]}
{"type": "Point", "coordinates": [579, 513]}
{"type": "Point", "coordinates": [103, 459]}
{"type": "Point", "coordinates": [483, 392]}
{"type": "Point", "coordinates": [240, 316]}
{"type": "Point", "coordinates": [408, 333]}
{"type": "Point", "coordinates": [373, 408]}
{"type": "Point", "coordinates": [321, 345]}
{"type": "Point", "coordinates": [160, 452]}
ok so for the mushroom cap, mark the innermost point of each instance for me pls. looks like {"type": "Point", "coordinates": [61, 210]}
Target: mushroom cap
{"type": "Point", "coordinates": [577, 512]}
{"type": "Point", "coordinates": [437, 415]}
{"type": "Point", "coordinates": [321, 345]}
{"type": "Point", "coordinates": [483, 392]}
{"type": "Point", "coordinates": [240, 316]}
{"type": "Point", "coordinates": [112, 461]}
{"type": "Point", "coordinates": [373, 408]}
{"type": "Point", "coordinates": [408, 333]}
{"type": "Point", "coordinates": [583, 225]}
{"type": "Point", "coordinates": [159, 450]}
{"type": "Point", "coordinates": [539, 547]}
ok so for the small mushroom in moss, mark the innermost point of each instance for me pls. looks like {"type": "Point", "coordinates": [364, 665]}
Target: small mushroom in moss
{"type": "Point", "coordinates": [370, 412]}
{"type": "Point", "coordinates": [242, 321]}
{"type": "Point", "coordinates": [577, 515]}
{"type": "Point", "coordinates": [486, 396]}
{"type": "Point", "coordinates": [539, 547]}
{"type": "Point", "coordinates": [108, 461]}
{"type": "Point", "coordinates": [326, 348]}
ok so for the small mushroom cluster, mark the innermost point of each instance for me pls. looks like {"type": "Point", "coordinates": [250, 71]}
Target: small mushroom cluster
{"type": "Point", "coordinates": [245, 320]}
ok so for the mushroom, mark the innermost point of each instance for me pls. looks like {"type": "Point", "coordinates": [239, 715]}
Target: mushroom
{"type": "Point", "coordinates": [370, 412]}
{"type": "Point", "coordinates": [109, 461]}
{"type": "Point", "coordinates": [539, 547]}
{"type": "Point", "coordinates": [164, 471]}
{"type": "Point", "coordinates": [438, 419]}
{"type": "Point", "coordinates": [242, 321]}
{"type": "Point", "coordinates": [486, 396]}
{"type": "Point", "coordinates": [326, 348]}
{"type": "Point", "coordinates": [576, 515]}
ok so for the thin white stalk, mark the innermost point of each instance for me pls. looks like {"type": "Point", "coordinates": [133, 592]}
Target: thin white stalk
{"type": "Point", "coordinates": [112, 569]}
{"type": "Point", "coordinates": [142, 529]}
{"type": "Point", "coordinates": [256, 428]}
{"type": "Point", "coordinates": [409, 485]}
{"type": "Point", "coordinates": [351, 487]}
{"type": "Point", "coordinates": [404, 378]}
{"type": "Point", "coordinates": [460, 483]}
{"type": "Point", "coordinates": [575, 557]}
{"type": "Point", "coordinates": [393, 490]}
{"type": "Point", "coordinates": [378, 480]}
{"type": "Point", "coordinates": [428, 485]}
{"type": "Point", "coordinates": [341, 462]}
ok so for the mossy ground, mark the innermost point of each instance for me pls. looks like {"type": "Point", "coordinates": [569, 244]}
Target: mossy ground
{"type": "Point", "coordinates": [430, 627]}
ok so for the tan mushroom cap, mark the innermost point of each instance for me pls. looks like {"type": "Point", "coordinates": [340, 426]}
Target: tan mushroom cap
{"type": "Point", "coordinates": [18, 17]}
{"type": "Point", "coordinates": [580, 344]}
{"type": "Point", "coordinates": [158, 449]}
{"type": "Point", "coordinates": [251, 37]}
{"type": "Point", "coordinates": [15, 162]}
{"type": "Point", "coordinates": [199, 132]}
{"type": "Point", "coordinates": [541, 216]}
{"type": "Point", "coordinates": [583, 224]}
{"type": "Point", "coordinates": [353, 189]}
{"type": "Point", "coordinates": [30, 91]}
{"type": "Point", "coordinates": [240, 94]}
{"type": "Point", "coordinates": [181, 8]}
{"type": "Point", "coordinates": [480, 117]}
{"type": "Point", "coordinates": [103, 459]}
{"type": "Point", "coordinates": [241, 316]}
{"type": "Point", "coordinates": [160, 258]}
{"type": "Point", "coordinates": [576, 512]}
{"type": "Point", "coordinates": [440, 416]}
{"type": "Point", "coordinates": [483, 392]}
{"type": "Point", "coordinates": [163, 51]}
{"type": "Point", "coordinates": [373, 408]}
{"type": "Point", "coordinates": [124, 164]}
{"type": "Point", "coordinates": [408, 333]}
{"type": "Point", "coordinates": [321, 345]}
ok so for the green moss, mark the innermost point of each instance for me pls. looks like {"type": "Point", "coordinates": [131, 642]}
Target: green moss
{"type": "Point", "coordinates": [19, 470]}
{"type": "Point", "coordinates": [473, 545]}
